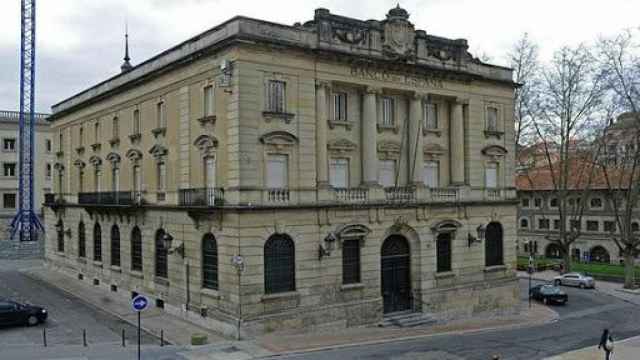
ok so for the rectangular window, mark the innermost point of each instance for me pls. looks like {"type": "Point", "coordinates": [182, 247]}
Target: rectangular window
{"type": "Point", "coordinates": [96, 132]}
{"type": "Point", "coordinates": [48, 145]}
{"type": "Point", "coordinates": [431, 174]}
{"type": "Point", "coordinates": [556, 224]}
{"type": "Point", "coordinates": [137, 178]}
{"type": "Point", "coordinates": [351, 261]}
{"type": "Point", "coordinates": [277, 172]}
{"type": "Point", "coordinates": [208, 101]}
{"type": "Point", "coordinates": [115, 179]}
{"type": "Point", "coordinates": [161, 114]}
{"type": "Point", "coordinates": [81, 136]}
{"type": "Point", "coordinates": [537, 202]}
{"type": "Point", "coordinates": [116, 128]}
{"type": "Point", "coordinates": [443, 253]}
{"type": "Point", "coordinates": [596, 203]}
{"type": "Point", "coordinates": [9, 144]}
{"type": "Point", "coordinates": [61, 140]}
{"type": "Point", "coordinates": [525, 202]}
{"type": "Point", "coordinates": [575, 224]}
{"type": "Point", "coordinates": [9, 200]}
{"type": "Point", "coordinates": [48, 171]}
{"type": "Point", "coordinates": [162, 176]}
{"type": "Point", "coordinates": [340, 106]}
{"type": "Point", "coordinates": [491, 176]}
{"type": "Point", "coordinates": [96, 179]}
{"type": "Point", "coordinates": [593, 225]}
{"type": "Point", "coordinates": [339, 173]}
{"type": "Point", "coordinates": [387, 173]}
{"type": "Point", "coordinates": [609, 226]}
{"type": "Point", "coordinates": [492, 119]}
{"type": "Point", "coordinates": [276, 96]}
{"type": "Point", "coordinates": [543, 224]}
{"type": "Point", "coordinates": [81, 180]}
{"type": "Point", "coordinates": [9, 169]}
{"type": "Point", "coordinates": [136, 122]}
{"type": "Point", "coordinates": [210, 174]}
{"type": "Point", "coordinates": [388, 111]}
{"type": "Point", "coordinates": [553, 202]}
{"type": "Point", "coordinates": [430, 116]}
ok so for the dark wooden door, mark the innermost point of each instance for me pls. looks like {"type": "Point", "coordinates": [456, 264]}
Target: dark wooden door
{"type": "Point", "coordinates": [396, 282]}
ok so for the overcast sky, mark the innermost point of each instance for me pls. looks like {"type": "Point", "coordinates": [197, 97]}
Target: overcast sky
{"type": "Point", "coordinates": [80, 42]}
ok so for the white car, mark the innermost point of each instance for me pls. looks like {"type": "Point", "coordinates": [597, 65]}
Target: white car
{"type": "Point", "coordinates": [575, 279]}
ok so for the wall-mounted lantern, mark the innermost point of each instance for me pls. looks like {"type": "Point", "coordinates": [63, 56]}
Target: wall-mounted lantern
{"type": "Point", "coordinates": [327, 246]}
{"type": "Point", "coordinates": [167, 241]}
{"type": "Point", "coordinates": [480, 230]}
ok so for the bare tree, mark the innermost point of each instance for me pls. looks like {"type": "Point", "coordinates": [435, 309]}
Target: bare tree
{"type": "Point", "coordinates": [621, 68]}
{"type": "Point", "coordinates": [564, 111]}
{"type": "Point", "coordinates": [523, 58]}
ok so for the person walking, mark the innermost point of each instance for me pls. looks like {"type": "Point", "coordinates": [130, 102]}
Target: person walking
{"type": "Point", "coordinates": [606, 344]}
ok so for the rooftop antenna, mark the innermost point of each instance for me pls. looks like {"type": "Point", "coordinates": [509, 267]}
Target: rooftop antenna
{"type": "Point", "coordinates": [126, 65]}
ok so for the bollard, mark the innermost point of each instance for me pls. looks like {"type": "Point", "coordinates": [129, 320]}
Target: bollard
{"type": "Point", "coordinates": [44, 337]}
{"type": "Point", "coordinates": [123, 345]}
{"type": "Point", "coordinates": [161, 337]}
{"type": "Point", "coordinates": [84, 337]}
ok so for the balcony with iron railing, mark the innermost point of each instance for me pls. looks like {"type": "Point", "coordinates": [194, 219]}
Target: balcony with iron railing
{"type": "Point", "coordinates": [205, 197]}
{"type": "Point", "coordinates": [124, 198]}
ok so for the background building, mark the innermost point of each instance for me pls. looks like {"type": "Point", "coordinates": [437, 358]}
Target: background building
{"type": "Point", "coordinates": [44, 160]}
{"type": "Point", "coordinates": [294, 177]}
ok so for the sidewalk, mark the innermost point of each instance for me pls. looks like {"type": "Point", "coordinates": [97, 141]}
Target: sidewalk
{"type": "Point", "coordinates": [291, 343]}
{"type": "Point", "coordinates": [176, 331]}
{"type": "Point", "coordinates": [609, 288]}
{"type": "Point", "coordinates": [628, 349]}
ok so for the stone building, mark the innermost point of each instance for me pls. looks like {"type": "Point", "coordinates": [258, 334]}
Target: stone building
{"type": "Point", "coordinates": [43, 166]}
{"type": "Point", "coordinates": [266, 177]}
{"type": "Point", "coordinates": [590, 209]}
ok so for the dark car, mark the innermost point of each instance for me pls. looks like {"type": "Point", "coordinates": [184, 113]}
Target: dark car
{"type": "Point", "coordinates": [13, 313]}
{"type": "Point", "coordinates": [549, 294]}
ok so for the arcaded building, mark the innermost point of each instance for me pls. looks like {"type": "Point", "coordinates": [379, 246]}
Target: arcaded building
{"type": "Point", "coordinates": [266, 177]}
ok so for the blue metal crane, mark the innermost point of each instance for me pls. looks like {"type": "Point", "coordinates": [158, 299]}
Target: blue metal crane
{"type": "Point", "coordinates": [26, 222]}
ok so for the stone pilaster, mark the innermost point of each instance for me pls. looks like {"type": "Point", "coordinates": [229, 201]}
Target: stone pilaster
{"type": "Point", "coordinates": [369, 135]}
{"type": "Point", "coordinates": [322, 90]}
{"type": "Point", "coordinates": [456, 148]}
{"type": "Point", "coordinates": [416, 142]}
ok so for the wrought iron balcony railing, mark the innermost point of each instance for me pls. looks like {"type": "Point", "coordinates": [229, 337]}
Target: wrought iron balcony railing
{"type": "Point", "coordinates": [110, 198]}
{"type": "Point", "coordinates": [201, 197]}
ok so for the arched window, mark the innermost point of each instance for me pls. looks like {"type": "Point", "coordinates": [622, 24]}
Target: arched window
{"type": "Point", "coordinates": [279, 264]}
{"type": "Point", "coordinates": [115, 245]}
{"type": "Point", "coordinates": [97, 242]}
{"type": "Point", "coordinates": [553, 251]}
{"type": "Point", "coordinates": [493, 245]}
{"type": "Point", "coordinates": [635, 227]}
{"type": "Point", "coordinates": [209, 262]}
{"type": "Point", "coordinates": [82, 245]}
{"type": "Point", "coordinates": [161, 255]}
{"type": "Point", "coordinates": [60, 233]}
{"type": "Point", "coordinates": [524, 223]}
{"type": "Point", "coordinates": [136, 249]}
{"type": "Point", "coordinates": [600, 255]}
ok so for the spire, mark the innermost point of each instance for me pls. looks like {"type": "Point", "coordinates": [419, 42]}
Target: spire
{"type": "Point", "coordinates": [126, 65]}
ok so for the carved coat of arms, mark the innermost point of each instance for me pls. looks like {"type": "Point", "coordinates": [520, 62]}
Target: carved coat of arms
{"type": "Point", "coordinates": [399, 35]}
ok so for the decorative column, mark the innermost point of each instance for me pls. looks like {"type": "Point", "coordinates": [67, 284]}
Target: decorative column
{"type": "Point", "coordinates": [456, 147]}
{"type": "Point", "coordinates": [369, 135]}
{"type": "Point", "coordinates": [322, 88]}
{"type": "Point", "coordinates": [416, 141]}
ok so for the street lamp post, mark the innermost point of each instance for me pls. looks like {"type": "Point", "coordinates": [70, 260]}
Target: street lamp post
{"type": "Point", "coordinates": [530, 267]}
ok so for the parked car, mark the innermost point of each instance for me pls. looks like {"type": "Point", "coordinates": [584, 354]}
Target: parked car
{"type": "Point", "coordinates": [549, 294]}
{"type": "Point", "coordinates": [575, 279]}
{"type": "Point", "coordinates": [13, 313]}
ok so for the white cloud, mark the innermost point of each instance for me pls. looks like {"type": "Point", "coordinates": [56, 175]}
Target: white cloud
{"type": "Point", "coordinates": [80, 41]}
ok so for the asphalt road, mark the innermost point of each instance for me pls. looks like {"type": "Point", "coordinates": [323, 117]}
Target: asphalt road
{"type": "Point", "coordinates": [68, 316]}
{"type": "Point", "coordinates": [580, 324]}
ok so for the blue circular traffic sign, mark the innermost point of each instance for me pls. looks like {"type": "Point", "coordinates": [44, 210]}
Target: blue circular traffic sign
{"type": "Point", "coordinates": [140, 303]}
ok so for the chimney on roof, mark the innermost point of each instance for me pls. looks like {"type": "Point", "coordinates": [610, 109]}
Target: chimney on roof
{"type": "Point", "coordinates": [126, 65]}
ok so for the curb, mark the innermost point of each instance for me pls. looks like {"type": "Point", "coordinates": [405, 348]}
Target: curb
{"type": "Point", "coordinates": [409, 338]}
{"type": "Point", "coordinates": [95, 307]}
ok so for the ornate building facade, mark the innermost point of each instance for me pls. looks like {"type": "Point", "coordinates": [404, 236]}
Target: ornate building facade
{"type": "Point", "coordinates": [263, 177]}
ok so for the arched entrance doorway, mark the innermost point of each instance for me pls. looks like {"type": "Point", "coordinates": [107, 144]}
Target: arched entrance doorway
{"type": "Point", "coordinates": [553, 251]}
{"type": "Point", "coordinates": [396, 282]}
{"type": "Point", "coordinates": [600, 255]}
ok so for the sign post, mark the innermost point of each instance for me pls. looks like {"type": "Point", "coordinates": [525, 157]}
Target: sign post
{"type": "Point", "coordinates": [139, 303]}
{"type": "Point", "coordinates": [530, 270]}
